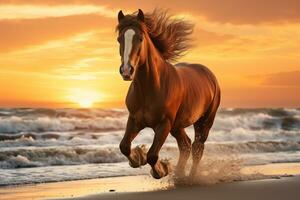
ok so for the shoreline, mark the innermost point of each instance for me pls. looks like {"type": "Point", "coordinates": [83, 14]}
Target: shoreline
{"type": "Point", "coordinates": [127, 186]}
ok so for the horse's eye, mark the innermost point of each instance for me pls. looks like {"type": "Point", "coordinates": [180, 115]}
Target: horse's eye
{"type": "Point", "coordinates": [140, 38]}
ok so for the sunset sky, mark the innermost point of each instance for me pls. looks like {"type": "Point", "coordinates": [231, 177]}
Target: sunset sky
{"type": "Point", "coordinates": [64, 53]}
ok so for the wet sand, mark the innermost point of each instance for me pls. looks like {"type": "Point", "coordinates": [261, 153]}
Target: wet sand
{"type": "Point", "coordinates": [285, 188]}
{"type": "Point", "coordinates": [145, 187]}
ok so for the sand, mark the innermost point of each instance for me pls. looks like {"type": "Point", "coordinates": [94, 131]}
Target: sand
{"type": "Point", "coordinates": [286, 188]}
{"type": "Point", "coordinates": [144, 187]}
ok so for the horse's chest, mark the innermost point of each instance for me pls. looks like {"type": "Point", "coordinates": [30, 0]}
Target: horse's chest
{"type": "Point", "coordinates": [147, 117]}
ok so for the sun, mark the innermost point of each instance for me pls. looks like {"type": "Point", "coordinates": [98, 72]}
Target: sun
{"type": "Point", "coordinates": [85, 103]}
{"type": "Point", "coordinates": [84, 98]}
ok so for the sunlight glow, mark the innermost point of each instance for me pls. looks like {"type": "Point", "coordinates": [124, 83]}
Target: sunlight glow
{"type": "Point", "coordinates": [85, 98]}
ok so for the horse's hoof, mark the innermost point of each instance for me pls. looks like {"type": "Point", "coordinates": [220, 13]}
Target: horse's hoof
{"type": "Point", "coordinates": [155, 175]}
{"type": "Point", "coordinates": [139, 156]}
{"type": "Point", "coordinates": [134, 164]}
{"type": "Point", "coordinates": [193, 173]}
{"type": "Point", "coordinates": [161, 169]}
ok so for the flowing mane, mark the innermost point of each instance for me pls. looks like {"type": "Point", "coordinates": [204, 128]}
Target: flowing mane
{"type": "Point", "coordinates": [170, 35]}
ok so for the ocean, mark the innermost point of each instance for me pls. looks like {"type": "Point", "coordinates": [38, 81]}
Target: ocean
{"type": "Point", "coordinates": [50, 145]}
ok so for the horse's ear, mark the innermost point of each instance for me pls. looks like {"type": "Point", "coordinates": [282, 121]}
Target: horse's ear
{"type": "Point", "coordinates": [120, 15]}
{"type": "Point", "coordinates": [140, 15]}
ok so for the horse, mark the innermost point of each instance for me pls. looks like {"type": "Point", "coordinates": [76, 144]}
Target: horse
{"type": "Point", "coordinates": [165, 97]}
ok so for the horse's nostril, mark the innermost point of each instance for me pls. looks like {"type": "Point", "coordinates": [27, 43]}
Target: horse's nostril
{"type": "Point", "coordinates": [131, 70]}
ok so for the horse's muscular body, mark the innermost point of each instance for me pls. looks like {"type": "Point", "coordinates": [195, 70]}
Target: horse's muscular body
{"type": "Point", "coordinates": [161, 96]}
{"type": "Point", "coordinates": [185, 93]}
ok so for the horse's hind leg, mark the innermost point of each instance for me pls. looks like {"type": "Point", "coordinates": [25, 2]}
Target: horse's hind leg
{"type": "Point", "coordinates": [184, 145]}
{"type": "Point", "coordinates": [202, 127]}
{"type": "Point", "coordinates": [201, 133]}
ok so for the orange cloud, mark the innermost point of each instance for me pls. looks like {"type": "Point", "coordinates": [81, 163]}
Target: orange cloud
{"type": "Point", "coordinates": [44, 11]}
{"type": "Point", "coordinates": [290, 78]}
{"type": "Point", "coordinates": [19, 33]}
{"type": "Point", "coordinates": [253, 97]}
{"type": "Point", "coordinates": [232, 11]}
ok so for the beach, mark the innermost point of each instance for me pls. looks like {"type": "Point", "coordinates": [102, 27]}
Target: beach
{"type": "Point", "coordinates": [259, 190]}
{"type": "Point", "coordinates": [73, 153]}
{"type": "Point", "coordinates": [273, 181]}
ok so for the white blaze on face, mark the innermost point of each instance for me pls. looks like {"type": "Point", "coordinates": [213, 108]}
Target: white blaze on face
{"type": "Point", "coordinates": [128, 36]}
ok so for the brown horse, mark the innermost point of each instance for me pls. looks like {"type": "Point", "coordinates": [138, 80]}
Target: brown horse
{"type": "Point", "coordinates": [161, 96]}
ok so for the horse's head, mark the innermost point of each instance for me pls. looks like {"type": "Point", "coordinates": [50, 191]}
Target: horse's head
{"type": "Point", "coordinates": [131, 40]}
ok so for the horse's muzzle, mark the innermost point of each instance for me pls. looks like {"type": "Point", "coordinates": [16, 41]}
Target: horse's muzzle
{"type": "Point", "coordinates": [126, 72]}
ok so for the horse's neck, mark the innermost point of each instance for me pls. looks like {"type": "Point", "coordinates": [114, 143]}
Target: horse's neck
{"type": "Point", "coordinates": [150, 73]}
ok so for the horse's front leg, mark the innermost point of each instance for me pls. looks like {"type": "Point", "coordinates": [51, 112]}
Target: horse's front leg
{"type": "Point", "coordinates": [137, 156]}
{"type": "Point", "coordinates": [159, 168]}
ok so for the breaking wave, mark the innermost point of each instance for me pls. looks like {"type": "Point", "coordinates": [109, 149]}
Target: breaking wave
{"type": "Point", "coordinates": [37, 157]}
{"type": "Point", "coordinates": [47, 141]}
{"type": "Point", "coordinates": [43, 120]}
{"type": "Point", "coordinates": [51, 156]}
